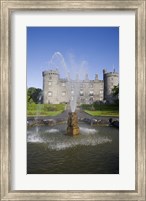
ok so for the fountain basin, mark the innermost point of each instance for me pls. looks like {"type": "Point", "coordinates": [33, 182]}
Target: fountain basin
{"type": "Point", "coordinates": [94, 151]}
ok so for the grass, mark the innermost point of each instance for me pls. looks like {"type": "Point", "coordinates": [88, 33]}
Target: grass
{"type": "Point", "coordinates": [53, 113]}
{"type": "Point", "coordinates": [96, 109]}
{"type": "Point", "coordinates": [44, 109]}
{"type": "Point", "coordinates": [103, 113]}
{"type": "Point", "coordinates": [100, 107]}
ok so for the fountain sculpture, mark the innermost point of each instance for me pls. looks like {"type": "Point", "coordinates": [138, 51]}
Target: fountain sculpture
{"type": "Point", "coordinates": [72, 124]}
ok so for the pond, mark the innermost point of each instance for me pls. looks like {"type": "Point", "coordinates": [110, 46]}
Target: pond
{"type": "Point", "coordinates": [51, 151]}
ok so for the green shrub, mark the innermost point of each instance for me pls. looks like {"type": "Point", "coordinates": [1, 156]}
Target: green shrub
{"type": "Point", "coordinates": [107, 107]}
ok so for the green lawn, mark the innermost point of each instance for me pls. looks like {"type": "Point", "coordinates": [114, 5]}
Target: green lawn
{"type": "Point", "coordinates": [102, 113]}
{"type": "Point", "coordinates": [51, 113]}
{"type": "Point", "coordinates": [44, 109]}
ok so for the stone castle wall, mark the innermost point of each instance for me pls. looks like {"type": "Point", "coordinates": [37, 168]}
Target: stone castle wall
{"type": "Point", "coordinates": [110, 79]}
{"type": "Point", "coordinates": [56, 89]}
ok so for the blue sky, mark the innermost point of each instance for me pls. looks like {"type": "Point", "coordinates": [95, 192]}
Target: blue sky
{"type": "Point", "coordinates": [93, 48]}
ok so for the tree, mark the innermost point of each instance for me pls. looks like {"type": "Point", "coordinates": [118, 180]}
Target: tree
{"type": "Point", "coordinates": [34, 95]}
{"type": "Point", "coordinates": [115, 91]}
{"type": "Point", "coordinates": [29, 99]}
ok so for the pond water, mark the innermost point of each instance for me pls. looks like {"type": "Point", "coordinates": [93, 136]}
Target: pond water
{"type": "Point", "coordinates": [51, 151]}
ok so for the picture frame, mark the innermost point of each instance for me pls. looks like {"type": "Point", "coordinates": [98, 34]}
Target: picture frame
{"type": "Point", "coordinates": [7, 8]}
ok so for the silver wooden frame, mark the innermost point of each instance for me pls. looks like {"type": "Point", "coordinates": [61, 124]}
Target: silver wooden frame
{"type": "Point", "coordinates": [9, 6]}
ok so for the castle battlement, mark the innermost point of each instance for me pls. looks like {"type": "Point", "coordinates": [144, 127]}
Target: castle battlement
{"type": "Point", "coordinates": [56, 88]}
{"type": "Point", "coordinates": [111, 74]}
{"type": "Point", "coordinates": [51, 72]}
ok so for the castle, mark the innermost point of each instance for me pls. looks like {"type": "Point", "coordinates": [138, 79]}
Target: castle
{"type": "Point", "coordinates": [55, 89]}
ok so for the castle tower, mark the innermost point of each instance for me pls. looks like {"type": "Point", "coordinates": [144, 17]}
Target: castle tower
{"type": "Point", "coordinates": [50, 86]}
{"type": "Point", "coordinates": [110, 80]}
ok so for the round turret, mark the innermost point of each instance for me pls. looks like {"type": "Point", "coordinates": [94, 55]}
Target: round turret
{"type": "Point", "coordinates": [110, 79]}
{"type": "Point", "coordinates": [50, 81]}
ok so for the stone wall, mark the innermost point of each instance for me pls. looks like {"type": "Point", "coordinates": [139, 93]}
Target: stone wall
{"type": "Point", "coordinates": [110, 79]}
{"type": "Point", "coordinates": [56, 89]}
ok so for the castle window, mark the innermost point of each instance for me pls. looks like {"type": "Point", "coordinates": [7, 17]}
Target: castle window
{"type": "Point", "coordinates": [81, 93]}
{"type": "Point", "coordinates": [50, 93]}
{"type": "Point", "coordinates": [49, 83]}
{"type": "Point", "coordinates": [91, 93]}
{"type": "Point", "coordinates": [63, 93]}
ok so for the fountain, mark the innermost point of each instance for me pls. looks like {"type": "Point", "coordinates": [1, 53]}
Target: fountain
{"type": "Point", "coordinates": [72, 124]}
{"type": "Point", "coordinates": [51, 150]}
{"type": "Point", "coordinates": [73, 88]}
